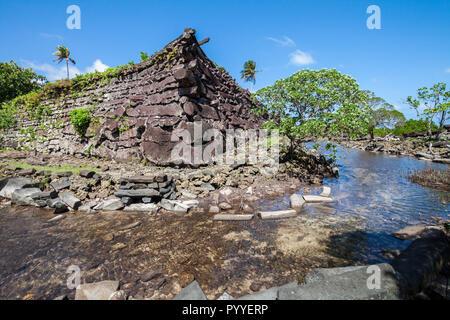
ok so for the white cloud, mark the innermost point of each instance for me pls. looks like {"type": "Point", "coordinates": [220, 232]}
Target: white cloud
{"type": "Point", "coordinates": [97, 66]}
{"type": "Point", "coordinates": [285, 42]}
{"type": "Point", "coordinates": [59, 71]}
{"type": "Point", "coordinates": [300, 58]}
{"type": "Point", "coordinates": [447, 70]}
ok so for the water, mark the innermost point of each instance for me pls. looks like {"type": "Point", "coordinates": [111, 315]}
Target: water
{"type": "Point", "coordinates": [372, 197]}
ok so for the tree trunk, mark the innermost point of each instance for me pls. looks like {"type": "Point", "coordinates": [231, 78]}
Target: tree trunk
{"type": "Point", "coordinates": [371, 133]}
{"type": "Point", "coordinates": [67, 64]}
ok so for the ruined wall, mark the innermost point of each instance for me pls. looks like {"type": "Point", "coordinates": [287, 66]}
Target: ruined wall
{"type": "Point", "coordinates": [135, 113]}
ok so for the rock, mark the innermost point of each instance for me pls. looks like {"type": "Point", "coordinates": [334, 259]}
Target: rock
{"type": "Point", "coordinates": [57, 218]}
{"type": "Point", "coordinates": [225, 296]}
{"type": "Point", "coordinates": [207, 186]}
{"type": "Point", "coordinates": [188, 194]}
{"type": "Point", "coordinates": [22, 197]}
{"type": "Point", "coordinates": [316, 199]}
{"type": "Point", "coordinates": [144, 207]}
{"type": "Point", "coordinates": [44, 195]}
{"type": "Point", "coordinates": [225, 206]}
{"type": "Point", "coordinates": [88, 206]}
{"type": "Point", "coordinates": [69, 199]}
{"type": "Point", "coordinates": [390, 254]}
{"type": "Point", "coordinates": [131, 225]}
{"type": "Point", "coordinates": [87, 174]}
{"type": "Point", "coordinates": [65, 174]}
{"type": "Point", "coordinates": [277, 214]}
{"type": "Point", "coordinates": [424, 155]}
{"type": "Point", "coordinates": [419, 264]}
{"type": "Point", "coordinates": [233, 217]}
{"type": "Point", "coordinates": [27, 172]}
{"type": "Point", "coordinates": [13, 184]}
{"type": "Point", "coordinates": [102, 290]}
{"type": "Point", "coordinates": [409, 232]}
{"type": "Point", "coordinates": [174, 205]}
{"type": "Point", "coordinates": [151, 275]}
{"type": "Point", "coordinates": [326, 192]}
{"type": "Point", "coordinates": [214, 209]}
{"type": "Point", "coordinates": [226, 192]}
{"type": "Point", "coordinates": [269, 294]}
{"type": "Point", "coordinates": [126, 200]}
{"type": "Point", "coordinates": [147, 200]}
{"type": "Point", "coordinates": [110, 205]}
{"type": "Point", "coordinates": [60, 207]}
{"type": "Point", "coordinates": [140, 193]}
{"type": "Point", "coordinates": [58, 186]}
{"type": "Point", "coordinates": [118, 295]}
{"type": "Point", "coordinates": [350, 284]}
{"type": "Point", "coordinates": [297, 201]}
{"type": "Point", "coordinates": [140, 179]}
{"type": "Point", "coordinates": [191, 292]}
{"type": "Point", "coordinates": [442, 160]}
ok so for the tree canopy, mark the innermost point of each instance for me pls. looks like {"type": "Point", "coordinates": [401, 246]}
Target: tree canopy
{"type": "Point", "coordinates": [16, 81]}
{"type": "Point", "coordinates": [431, 102]}
{"type": "Point", "coordinates": [318, 103]}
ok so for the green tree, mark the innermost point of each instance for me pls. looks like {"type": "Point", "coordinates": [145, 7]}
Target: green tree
{"type": "Point", "coordinates": [62, 53]}
{"type": "Point", "coordinates": [382, 114]}
{"type": "Point", "coordinates": [248, 73]}
{"type": "Point", "coordinates": [434, 101]}
{"type": "Point", "coordinates": [320, 103]}
{"type": "Point", "coordinates": [16, 81]}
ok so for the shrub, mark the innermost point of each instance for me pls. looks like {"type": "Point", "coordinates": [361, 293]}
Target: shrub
{"type": "Point", "coordinates": [80, 119]}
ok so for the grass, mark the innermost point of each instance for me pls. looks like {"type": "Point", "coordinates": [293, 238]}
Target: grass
{"type": "Point", "coordinates": [75, 170]}
{"type": "Point", "coordinates": [433, 178]}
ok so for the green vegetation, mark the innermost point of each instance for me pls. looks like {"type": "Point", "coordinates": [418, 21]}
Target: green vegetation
{"type": "Point", "coordinates": [16, 81]}
{"type": "Point", "coordinates": [431, 102]}
{"type": "Point", "coordinates": [75, 170]}
{"type": "Point", "coordinates": [80, 119]}
{"type": "Point", "coordinates": [319, 103]}
{"type": "Point", "coordinates": [409, 126]}
{"type": "Point", "coordinates": [62, 53]}
{"type": "Point", "coordinates": [248, 73]}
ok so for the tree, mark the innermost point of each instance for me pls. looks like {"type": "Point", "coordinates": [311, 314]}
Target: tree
{"type": "Point", "coordinates": [62, 53]}
{"type": "Point", "coordinates": [434, 101]}
{"type": "Point", "coordinates": [16, 81]}
{"type": "Point", "coordinates": [382, 114]}
{"type": "Point", "coordinates": [248, 73]}
{"type": "Point", "coordinates": [320, 103]}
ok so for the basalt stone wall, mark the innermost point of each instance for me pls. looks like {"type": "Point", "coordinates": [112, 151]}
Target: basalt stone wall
{"type": "Point", "coordinates": [134, 115]}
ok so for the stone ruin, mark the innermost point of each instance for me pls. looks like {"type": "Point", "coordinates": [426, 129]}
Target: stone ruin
{"type": "Point", "coordinates": [135, 114]}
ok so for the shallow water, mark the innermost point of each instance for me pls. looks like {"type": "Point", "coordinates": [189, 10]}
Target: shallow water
{"type": "Point", "coordinates": [373, 198]}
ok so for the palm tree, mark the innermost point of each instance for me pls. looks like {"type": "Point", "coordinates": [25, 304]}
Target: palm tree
{"type": "Point", "coordinates": [63, 53]}
{"type": "Point", "coordinates": [249, 72]}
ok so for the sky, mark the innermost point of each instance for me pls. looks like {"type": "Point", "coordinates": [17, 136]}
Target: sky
{"type": "Point", "coordinates": [409, 51]}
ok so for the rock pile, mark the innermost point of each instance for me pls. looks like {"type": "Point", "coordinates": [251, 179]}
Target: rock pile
{"type": "Point", "coordinates": [146, 189]}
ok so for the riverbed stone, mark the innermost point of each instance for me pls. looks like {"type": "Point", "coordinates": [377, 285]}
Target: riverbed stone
{"type": "Point", "coordinates": [296, 201]}
{"type": "Point", "coordinates": [349, 285]}
{"type": "Point", "coordinates": [191, 292]}
{"type": "Point", "coordinates": [22, 197]}
{"type": "Point", "coordinates": [409, 232]}
{"type": "Point", "coordinates": [316, 199]}
{"type": "Point", "coordinates": [265, 215]}
{"type": "Point", "coordinates": [142, 207]}
{"type": "Point", "coordinates": [102, 290]}
{"type": "Point", "coordinates": [110, 205]}
{"type": "Point", "coordinates": [13, 184]}
{"type": "Point", "coordinates": [69, 199]}
{"type": "Point", "coordinates": [326, 192]}
{"type": "Point", "coordinates": [420, 263]}
{"type": "Point", "coordinates": [87, 174]}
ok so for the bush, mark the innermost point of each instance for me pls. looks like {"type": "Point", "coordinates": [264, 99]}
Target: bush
{"type": "Point", "coordinates": [16, 81]}
{"type": "Point", "coordinates": [411, 126]}
{"type": "Point", "coordinates": [80, 119]}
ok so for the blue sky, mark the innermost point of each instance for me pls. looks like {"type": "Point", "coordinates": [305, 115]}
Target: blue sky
{"type": "Point", "coordinates": [411, 50]}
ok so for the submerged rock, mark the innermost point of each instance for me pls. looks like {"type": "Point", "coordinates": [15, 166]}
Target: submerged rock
{"type": "Point", "coordinates": [297, 201]}
{"type": "Point", "coordinates": [277, 214]}
{"type": "Point", "coordinates": [409, 232]}
{"type": "Point", "coordinates": [103, 290]}
{"type": "Point", "coordinates": [191, 292]}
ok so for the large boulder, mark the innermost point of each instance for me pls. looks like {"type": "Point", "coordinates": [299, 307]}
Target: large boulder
{"type": "Point", "coordinates": [22, 197]}
{"type": "Point", "coordinates": [13, 184]}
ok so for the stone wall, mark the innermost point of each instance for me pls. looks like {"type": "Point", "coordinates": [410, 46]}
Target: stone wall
{"type": "Point", "coordinates": [135, 113]}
